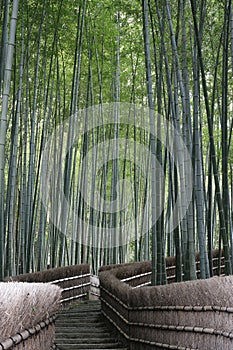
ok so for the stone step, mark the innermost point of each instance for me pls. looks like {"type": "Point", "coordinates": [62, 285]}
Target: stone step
{"type": "Point", "coordinates": [88, 346]}
{"type": "Point", "coordinates": [85, 315]}
{"type": "Point", "coordinates": [82, 335]}
{"type": "Point", "coordinates": [92, 340]}
{"type": "Point", "coordinates": [83, 327]}
{"type": "Point", "coordinates": [79, 322]}
{"type": "Point", "coordinates": [78, 310]}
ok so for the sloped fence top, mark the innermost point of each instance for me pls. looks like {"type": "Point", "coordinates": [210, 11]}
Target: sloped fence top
{"type": "Point", "coordinates": [185, 315]}
{"type": "Point", "coordinates": [52, 275]}
{"type": "Point", "coordinates": [215, 291]}
{"type": "Point", "coordinates": [74, 280]}
{"type": "Point", "coordinates": [25, 310]}
{"type": "Point", "coordinates": [29, 303]}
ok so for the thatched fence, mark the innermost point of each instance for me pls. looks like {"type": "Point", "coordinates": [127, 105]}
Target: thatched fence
{"type": "Point", "coordinates": [143, 277]}
{"type": "Point", "coordinates": [73, 280]}
{"type": "Point", "coordinates": [149, 317]}
{"type": "Point", "coordinates": [29, 303]}
{"type": "Point", "coordinates": [187, 315]}
{"type": "Point", "coordinates": [27, 315]}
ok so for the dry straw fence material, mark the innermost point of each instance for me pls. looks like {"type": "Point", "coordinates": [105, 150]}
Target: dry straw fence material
{"type": "Point", "coordinates": [28, 307]}
{"type": "Point", "coordinates": [74, 281]}
{"type": "Point", "coordinates": [186, 315]}
{"type": "Point", "coordinates": [27, 314]}
{"type": "Point", "coordinates": [141, 276]}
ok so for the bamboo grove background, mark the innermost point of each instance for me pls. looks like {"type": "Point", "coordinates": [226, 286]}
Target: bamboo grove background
{"type": "Point", "coordinates": [175, 57]}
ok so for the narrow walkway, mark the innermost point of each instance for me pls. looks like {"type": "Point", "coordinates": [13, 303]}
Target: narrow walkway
{"type": "Point", "coordinates": [83, 327]}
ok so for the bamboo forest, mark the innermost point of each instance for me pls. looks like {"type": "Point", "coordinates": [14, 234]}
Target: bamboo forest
{"type": "Point", "coordinates": [116, 134]}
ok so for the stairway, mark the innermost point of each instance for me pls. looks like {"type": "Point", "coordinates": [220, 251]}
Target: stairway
{"type": "Point", "coordinates": [84, 327]}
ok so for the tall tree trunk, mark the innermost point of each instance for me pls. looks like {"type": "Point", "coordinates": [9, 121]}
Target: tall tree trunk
{"type": "Point", "coordinates": [223, 231]}
{"type": "Point", "coordinates": [149, 85]}
{"type": "Point", "coordinates": [3, 126]}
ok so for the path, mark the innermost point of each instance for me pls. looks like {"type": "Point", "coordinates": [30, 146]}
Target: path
{"type": "Point", "coordinates": [83, 327]}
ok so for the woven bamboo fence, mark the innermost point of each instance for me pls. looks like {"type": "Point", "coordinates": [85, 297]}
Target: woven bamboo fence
{"type": "Point", "coordinates": [73, 280]}
{"type": "Point", "coordinates": [27, 315]}
{"type": "Point", "coordinates": [143, 277]}
{"type": "Point", "coordinates": [187, 315]}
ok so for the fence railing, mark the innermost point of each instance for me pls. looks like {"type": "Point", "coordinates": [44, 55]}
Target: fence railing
{"type": "Point", "coordinates": [78, 290]}
{"type": "Point", "coordinates": [20, 339]}
{"type": "Point", "coordinates": [75, 285]}
{"type": "Point", "coordinates": [187, 315]}
{"type": "Point", "coordinates": [27, 313]}
{"type": "Point", "coordinates": [144, 279]}
{"type": "Point", "coordinates": [73, 280]}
